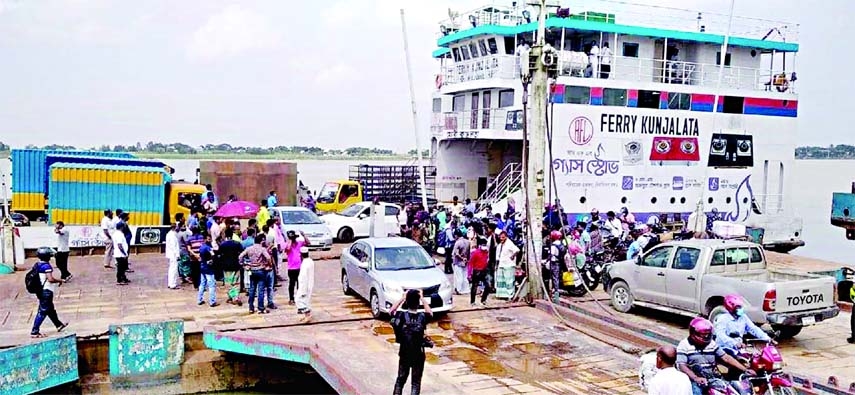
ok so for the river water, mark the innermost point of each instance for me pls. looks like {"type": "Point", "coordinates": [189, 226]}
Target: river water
{"type": "Point", "coordinates": [814, 180]}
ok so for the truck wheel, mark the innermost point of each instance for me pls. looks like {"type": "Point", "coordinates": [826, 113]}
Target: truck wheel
{"type": "Point", "coordinates": [621, 297]}
{"type": "Point", "coordinates": [784, 332]}
{"type": "Point", "coordinates": [345, 235]}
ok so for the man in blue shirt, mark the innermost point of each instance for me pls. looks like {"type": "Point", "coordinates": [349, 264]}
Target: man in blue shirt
{"type": "Point", "coordinates": [731, 328]}
{"type": "Point", "coordinates": [49, 285]}
{"type": "Point", "coordinates": [206, 269]}
{"type": "Point", "coordinates": [634, 249]}
{"type": "Point", "coordinates": [272, 200]}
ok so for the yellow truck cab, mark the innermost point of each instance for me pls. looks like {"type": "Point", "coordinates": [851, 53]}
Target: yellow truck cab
{"type": "Point", "coordinates": [335, 196]}
{"type": "Point", "coordinates": [181, 197]}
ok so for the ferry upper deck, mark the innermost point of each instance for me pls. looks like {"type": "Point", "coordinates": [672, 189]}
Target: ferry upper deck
{"type": "Point", "coordinates": [609, 53]}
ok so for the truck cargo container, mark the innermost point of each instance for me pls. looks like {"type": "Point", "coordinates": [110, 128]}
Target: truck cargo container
{"type": "Point", "coordinates": [97, 160]}
{"type": "Point", "coordinates": [251, 181]}
{"type": "Point", "coordinates": [81, 192]}
{"type": "Point", "coordinates": [29, 177]}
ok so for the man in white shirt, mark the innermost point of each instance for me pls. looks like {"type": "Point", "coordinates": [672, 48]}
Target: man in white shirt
{"type": "Point", "coordinates": [668, 380]}
{"type": "Point", "coordinates": [62, 250]}
{"type": "Point", "coordinates": [173, 252]}
{"type": "Point", "coordinates": [605, 61]}
{"type": "Point", "coordinates": [594, 59]}
{"type": "Point", "coordinates": [120, 252]}
{"type": "Point", "coordinates": [216, 231]}
{"type": "Point", "coordinates": [613, 225]}
{"type": "Point", "coordinates": [456, 208]}
{"type": "Point", "coordinates": [107, 228]}
{"type": "Point", "coordinates": [305, 284]}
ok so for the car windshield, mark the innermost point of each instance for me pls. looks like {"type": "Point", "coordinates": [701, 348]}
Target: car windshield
{"type": "Point", "coordinates": [353, 210]}
{"type": "Point", "coordinates": [300, 217]}
{"type": "Point", "coordinates": [402, 258]}
{"type": "Point", "coordinates": [327, 193]}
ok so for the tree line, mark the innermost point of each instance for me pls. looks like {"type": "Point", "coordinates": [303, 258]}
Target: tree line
{"type": "Point", "coordinates": [841, 151]}
{"type": "Point", "coordinates": [181, 148]}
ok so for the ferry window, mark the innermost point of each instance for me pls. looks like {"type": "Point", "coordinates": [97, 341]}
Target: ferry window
{"type": "Point", "coordinates": [473, 49]}
{"type": "Point", "coordinates": [648, 99]}
{"type": "Point", "coordinates": [614, 97]}
{"type": "Point", "coordinates": [494, 47]}
{"type": "Point", "coordinates": [577, 95]}
{"type": "Point", "coordinates": [679, 101]}
{"type": "Point", "coordinates": [437, 105]}
{"type": "Point", "coordinates": [718, 59]}
{"type": "Point", "coordinates": [464, 50]}
{"type": "Point", "coordinates": [483, 47]}
{"type": "Point", "coordinates": [733, 104]}
{"type": "Point", "coordinates": [458, 103]}
{"type": "Point", "coordinates": [510, 46]}
{"type": "Point", "coordinates": [630, 50]}
{"type": "Point", "coordinates": [506, 98]}
{"type": "Point", "coordinates": [456, 53]}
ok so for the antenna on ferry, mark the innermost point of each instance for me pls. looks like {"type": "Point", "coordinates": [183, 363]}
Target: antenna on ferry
{"type": "Point", "coordinates": [415, 112]}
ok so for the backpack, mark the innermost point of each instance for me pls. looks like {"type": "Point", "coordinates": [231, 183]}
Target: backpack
{"type": "Point", "coordinates": [32, 281]}
{"type": "Point", "coordinates": [408, 330]}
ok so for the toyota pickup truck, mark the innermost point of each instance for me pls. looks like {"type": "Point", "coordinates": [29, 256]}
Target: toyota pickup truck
{"type": "Point", "coordinates": [691, 277]}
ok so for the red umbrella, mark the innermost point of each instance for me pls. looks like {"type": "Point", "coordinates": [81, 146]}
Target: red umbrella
{"type": "Point", "coordinates": [238, 209]}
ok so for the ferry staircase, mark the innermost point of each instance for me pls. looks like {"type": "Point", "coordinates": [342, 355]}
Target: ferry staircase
{"type": "Point", "coordinates": [508, 181]}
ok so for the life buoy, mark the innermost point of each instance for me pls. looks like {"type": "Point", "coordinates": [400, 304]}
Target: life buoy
{"type": "Point", "coordinates": [438, 81]}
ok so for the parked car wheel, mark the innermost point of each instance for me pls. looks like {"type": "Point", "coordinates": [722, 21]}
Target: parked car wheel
{"type": "Point", "coordinates": [345, 235]}
{"type": "Point", "coordinates": [345, 284]}
{"type": "Point", "coordinates": [784, 332]}
{"type": "Point", "coordinates": [621, 297]}
{"type": "Point", "coordinates": [375, 305]}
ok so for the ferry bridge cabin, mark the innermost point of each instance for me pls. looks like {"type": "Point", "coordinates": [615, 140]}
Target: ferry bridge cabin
{"type": "Point", "coordinates": [641, 133]}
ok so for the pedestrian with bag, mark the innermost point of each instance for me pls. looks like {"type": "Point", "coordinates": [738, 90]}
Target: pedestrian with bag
{"type": "Point", "coordinates": [410, 326]}
{"type": "Point", "coordinates": [41, 282]}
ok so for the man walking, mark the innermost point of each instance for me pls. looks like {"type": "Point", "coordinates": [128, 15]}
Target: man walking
{"type": "Point", "coordinates": [230, 250]}
{"type": "Point", "coordinates": [120, 252]}
{"type": "Point", "coordinates": [173, 253]}
{"type": "Point", "coordinates": [184, 270]}
{"type": "Point", "coordinates": [206, 270]}
{"type": "Point", "coordinates": [124, 218]}
{"type": "Point", "coordinates": [45, 295]}
{"type": "Point", "coordinates": [306, 283]}
{"type": "Point", "coordinates": [478, 262]}
{"type": "Point", "coordinates": [107, 229]}
{"type": "Point", "coordinates": [62, 250]}
{"type": "Point", "coordinates": [460, 260]}
{"type": "Point", "coordinates": [258, 264]}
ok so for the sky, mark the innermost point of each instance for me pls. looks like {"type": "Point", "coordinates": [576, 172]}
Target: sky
{"type": "Point", "coordinates": [310, 73]}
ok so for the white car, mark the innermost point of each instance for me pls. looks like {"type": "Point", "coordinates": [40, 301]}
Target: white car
{"type": "Point", "coordinates": [355, 221]}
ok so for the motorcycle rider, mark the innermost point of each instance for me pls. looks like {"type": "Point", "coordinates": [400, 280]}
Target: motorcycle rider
{"type": "Point", "coordinates": [557, 251]}
{"type": "Point", "coordinates": [613, 226]}
{"type": "Point", "coordinates": [731, 328]}
{"type": "Point", "coordinates": [698, 356]}
{"type": "Point", "coordinates": [595, 245]}
{"type": "Point", "coordinates": [595, 219]}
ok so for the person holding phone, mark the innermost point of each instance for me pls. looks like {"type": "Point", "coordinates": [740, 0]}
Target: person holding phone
{"type": "Point", "coordinates": [412, 325]}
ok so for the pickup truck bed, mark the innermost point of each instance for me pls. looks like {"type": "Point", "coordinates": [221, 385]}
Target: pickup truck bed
{"type": "Point", "coordinates": [766, 276]}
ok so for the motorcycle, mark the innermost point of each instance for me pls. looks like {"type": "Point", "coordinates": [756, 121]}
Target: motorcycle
{"type": "Point", "coordinates": [581, 278]}
{"type": "Point", "coordinates": [764, 359]}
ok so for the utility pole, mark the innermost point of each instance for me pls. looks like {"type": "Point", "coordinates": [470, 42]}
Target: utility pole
{"type": "Point", "coordinates": [536, 155]}
{"type": "Point", "coordinates": [415, 113]}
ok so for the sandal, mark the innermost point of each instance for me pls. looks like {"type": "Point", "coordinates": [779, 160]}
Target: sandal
{"type": "Point", "coordinates": [61, 327]}
{"type": "Point", "coordinates": [37, 335]}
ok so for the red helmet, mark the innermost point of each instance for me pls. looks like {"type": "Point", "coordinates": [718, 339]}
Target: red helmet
{"type": "Point", "coordinates": [555, 235]}
{"type": "Point", "coordinates": [700, 331]}
{"type": "Point", "coordinates": [733, 302]}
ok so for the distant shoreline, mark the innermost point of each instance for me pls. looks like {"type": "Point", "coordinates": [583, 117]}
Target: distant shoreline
{"type": "Point", "coordinates": [236, 156]}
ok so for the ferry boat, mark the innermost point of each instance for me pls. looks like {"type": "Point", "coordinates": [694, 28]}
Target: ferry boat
{"type": "Point", "coordinates": [630, 111]}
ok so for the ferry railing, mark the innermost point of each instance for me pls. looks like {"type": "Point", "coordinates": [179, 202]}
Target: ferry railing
{"type": "Point", "coordinates": [471, 121]}
{"type": "Point", "coordinates": [627, 13]}
{"type": "Point", "coordinates": [770, 203]}
{"type": "Point", "coordinates": [481, 68]}
{"type": "Point", "coordinates": [508, 181]}
{"type": "Point", "coordinates": [576, 64]}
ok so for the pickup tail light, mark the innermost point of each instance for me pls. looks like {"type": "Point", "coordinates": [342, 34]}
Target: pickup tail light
{"type": "Point", "coordinates": [769, 300]}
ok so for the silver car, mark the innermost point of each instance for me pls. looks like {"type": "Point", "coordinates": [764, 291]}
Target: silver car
{"type": "Point", "coordinates": [381, 269]}
{"type": "Point", "coordinates": [302, 219]}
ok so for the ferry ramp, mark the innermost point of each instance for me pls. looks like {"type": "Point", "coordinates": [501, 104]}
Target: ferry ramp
{"type": "Point", "coordinates": [508, 350]}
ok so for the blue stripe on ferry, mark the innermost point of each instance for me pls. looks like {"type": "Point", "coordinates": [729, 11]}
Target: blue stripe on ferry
{"type": "Point", "coordinates": [596, 101]}
{"type": "Point", "coordinates": [632, 103]}
{"type": "Point", "coordinates": [775, 112]}
{"type": "Point", "coordinates": [705, 107]}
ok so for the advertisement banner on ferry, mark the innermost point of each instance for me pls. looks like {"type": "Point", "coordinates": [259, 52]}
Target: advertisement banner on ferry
{"type": "Point", "coordinates": [655, 161]}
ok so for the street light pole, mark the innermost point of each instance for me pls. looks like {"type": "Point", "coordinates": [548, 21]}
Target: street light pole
{"type": "Point", "coordinates": [536, 155]}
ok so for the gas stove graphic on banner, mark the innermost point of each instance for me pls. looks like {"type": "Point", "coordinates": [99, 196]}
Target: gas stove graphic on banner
{"type": "Point", "coordinates": [671, 151]}
{"type": "Point", "coordinates": [731, 150]}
